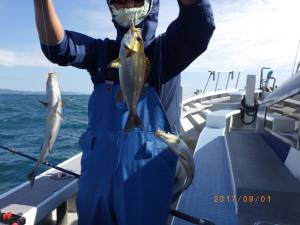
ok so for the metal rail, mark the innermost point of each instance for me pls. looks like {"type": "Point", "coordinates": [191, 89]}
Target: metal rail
{"type": "Point", "coordinates": [237, 80]}
{"type": "Point", "coordinates": [211, 74]}
{"type": "Point", "coordinates": [262, 77]}
{"type": "Point", "coordinates": [230, 75]}
{"type": "Point", "coordinates": [289, 89]}
{"type": "Point", "coordinates": [217, 82]}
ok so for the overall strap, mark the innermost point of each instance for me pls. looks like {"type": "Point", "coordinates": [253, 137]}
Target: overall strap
{"type": "Point", "coordinates": [112, 74]}
{"type": "Point", "coordinates": [109, 53]}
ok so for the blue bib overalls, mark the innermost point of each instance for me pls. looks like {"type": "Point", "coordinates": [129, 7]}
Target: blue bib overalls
{"type": "Point", "coordinates": [126, 178]}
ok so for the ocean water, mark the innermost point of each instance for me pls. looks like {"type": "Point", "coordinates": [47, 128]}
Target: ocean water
{"type": "Point", "coordinates": [23, 127]}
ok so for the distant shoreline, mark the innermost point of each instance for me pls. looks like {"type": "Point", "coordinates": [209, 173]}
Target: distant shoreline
{"type": "Point", "coordinates": [16, 92]}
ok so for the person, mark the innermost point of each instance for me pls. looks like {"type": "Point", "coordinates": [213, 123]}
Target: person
{"type": "Point", "coordinates": [127, 177]}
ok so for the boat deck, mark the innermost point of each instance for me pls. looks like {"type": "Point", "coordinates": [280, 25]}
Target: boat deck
{"type": "Point", "coordinates": [258, 172]}
{"type": "Point", "coordinates": [212, 180]}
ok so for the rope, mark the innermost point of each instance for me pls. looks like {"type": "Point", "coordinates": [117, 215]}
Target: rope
{"type": "Point", "coordinates": [250, 111]}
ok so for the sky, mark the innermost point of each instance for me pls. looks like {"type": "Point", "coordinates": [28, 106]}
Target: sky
{"type": "Point", "coordinates": [250, 34]}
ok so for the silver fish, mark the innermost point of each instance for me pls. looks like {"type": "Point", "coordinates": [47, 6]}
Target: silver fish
{"type": "Point", "coordinates": [54, 106]}
{"type": "Point", "coordinates": [185, 169]}
{"type": "Point", "coordinates": [134, 68]}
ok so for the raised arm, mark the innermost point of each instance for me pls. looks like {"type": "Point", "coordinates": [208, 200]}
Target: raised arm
{"type": "Point", "coordinates": [64, 47]}
{"type": "Point", "coordinates": [48, 25]}
{"type": "Point", "coordinates": [188, 36]}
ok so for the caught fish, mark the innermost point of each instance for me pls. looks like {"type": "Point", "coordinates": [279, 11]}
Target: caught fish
{"type": "Point", "coordinates": [185, 169]}
{"type": "Point", "coordinates": [134, 68]}
{"type": "Point", "coordinates": [54, 106]}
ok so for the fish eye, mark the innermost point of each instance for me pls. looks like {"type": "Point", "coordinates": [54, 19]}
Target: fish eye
{"type": "Point", "coordinates": [139, 39]}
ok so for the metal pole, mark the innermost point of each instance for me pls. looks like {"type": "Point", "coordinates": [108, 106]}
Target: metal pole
{"type": "Point", "coordinates": [217, 82]}
{"type": "Point", "coordinates": [211, 74]}
{"type": "Point", "coordinates": [250, 94]}
{"type": "Point", "coordinates": [237, 80]}
{"type": "Point", "coordinates": [230, 74]}
{"type": "Point", "coordinates": [262, 76]}
{"type": "Point", "coordinates": [274, 83]}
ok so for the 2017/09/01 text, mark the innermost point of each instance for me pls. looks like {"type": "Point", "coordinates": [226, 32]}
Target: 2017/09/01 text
{"type": "Point", "coordinates": [242, 198]}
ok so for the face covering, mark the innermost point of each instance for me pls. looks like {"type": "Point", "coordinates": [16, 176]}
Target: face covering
{"type": "Point", "coordinates": [125, 17]}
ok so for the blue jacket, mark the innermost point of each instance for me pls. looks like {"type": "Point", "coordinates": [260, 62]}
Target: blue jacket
{"type": "Point", "coordinates": [186, 38]}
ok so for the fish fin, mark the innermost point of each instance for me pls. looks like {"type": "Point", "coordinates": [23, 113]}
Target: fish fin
{"type": "Point", "coordinates": [60, 116]}
{"type": "Point", "coordinates": [57, 112]}
{"type": "Point", "coordinates": [60, 101]}
{"type": "Point", "coordinates": [115, 64]}
{"type": "Point", "coordinates": [133, 121]}
{"type": "Point", "coordinates": [31, 177]}
{"type": "Point", "coordinates": [147, 68]}
{"type": "Point", "coordinates": [119, 96]}
{"type": "Point", "coordinates": [129, 53]}
{"type": "Point", "coordinates": [43, 103]}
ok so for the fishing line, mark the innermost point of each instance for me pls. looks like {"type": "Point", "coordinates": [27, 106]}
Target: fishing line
{"type": "Point", "coordinates": [46, 34]}
{"type": "Point", "coordinates": [45, 163]}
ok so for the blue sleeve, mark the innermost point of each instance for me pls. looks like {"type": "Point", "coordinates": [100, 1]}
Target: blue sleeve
{"type": "Point", "coordinates": [187, 37]}
{"type": "Point", "coordinates": [75, 49]}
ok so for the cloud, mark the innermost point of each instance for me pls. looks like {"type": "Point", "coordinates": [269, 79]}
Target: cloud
{"type": "Point", "coordinates": [18, 58]}
{"type": "Point", "coordinates": [251, 34]}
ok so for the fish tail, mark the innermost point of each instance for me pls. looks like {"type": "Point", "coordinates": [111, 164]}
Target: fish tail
{"type": "Point", "coordinates": [31, 177]}
{"type": "Point", "coordinates": [133, 121]}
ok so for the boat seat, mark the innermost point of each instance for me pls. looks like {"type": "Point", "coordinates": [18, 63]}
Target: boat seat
{"type": "Point", "coordinates": [218, 119]}
{"type": "Point", "coordinates": [226, 105]}
{"type": "Point", "coordinates": [257, 171]}
{"type": "Point", "coordinates": [47, 194]}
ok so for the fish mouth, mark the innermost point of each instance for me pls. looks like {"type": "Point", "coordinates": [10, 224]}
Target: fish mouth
{"type": "Point", "coordinates": [168, 137]}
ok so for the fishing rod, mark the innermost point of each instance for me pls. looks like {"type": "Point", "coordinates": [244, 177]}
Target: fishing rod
{"type": "Point", "coordinates": [45, 163]}
{"type": "Point", "coordinates": [189, 218]}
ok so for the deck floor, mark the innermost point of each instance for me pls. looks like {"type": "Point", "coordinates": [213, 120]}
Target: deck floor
{"type": "Point", "coordinates": [212, 179]}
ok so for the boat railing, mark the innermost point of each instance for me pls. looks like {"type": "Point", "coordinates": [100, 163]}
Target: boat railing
{"type": "Point", "coordinates": [215, 76]}
{"type": "Point", "coordinates": [51, 192]}
{"type": "Point", "coordinates": [230, 76]}
{"type": "Point", "coordinates": [212, 74]}
{"type": "Point", "coordinates": [278, 113]}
